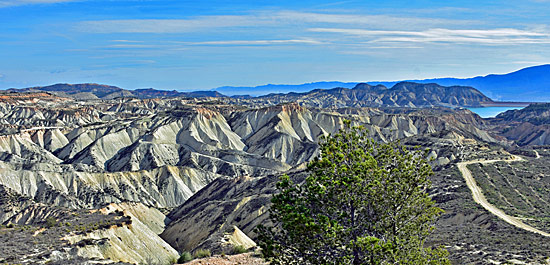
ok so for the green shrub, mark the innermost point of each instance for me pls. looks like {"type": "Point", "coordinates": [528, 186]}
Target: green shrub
{"type": "Point", "coordinates": [10, 225]}
{"type": "Point", "coordinates": [185, 257]}
{"type": "Point", "coordinates": [202, 253]}
{"type": "Point", "coordinates": [364, 202]}
{"type": "Point", "coordinates": [51, 222]}
{"type": "Point", "coordinates": [239, 249]}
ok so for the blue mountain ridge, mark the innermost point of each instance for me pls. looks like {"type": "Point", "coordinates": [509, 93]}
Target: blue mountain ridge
{"type": "Point", "coordinates": [530, 84]}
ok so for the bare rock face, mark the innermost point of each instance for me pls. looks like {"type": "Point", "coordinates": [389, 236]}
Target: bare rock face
{"type": "Point", "coordinates": [118, 233]}
{"type": "Point", "coordinates": [11, 204]}
{"type": "Point", "coordinates": [529, 134]}
{"type": "Point", "coordinates": [537, 114]}
{"type": "Point", "coordinates": [216, 209]}
{"type": "Point", "coordinates": [162, 187]}
{"type": "Point", "coordinates": [226, 240]}
{"type": "Point", "coordinates": [529, 126]}
{"type": "Point", "coordinates": [136, 243]}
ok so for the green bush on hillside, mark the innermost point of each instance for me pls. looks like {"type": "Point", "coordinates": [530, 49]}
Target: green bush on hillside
{"type": "Point", "coordinates": [363, 203]}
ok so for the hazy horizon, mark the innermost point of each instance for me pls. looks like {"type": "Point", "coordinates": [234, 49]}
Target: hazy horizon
{"type": "Point", "coordinates": [190, 45]}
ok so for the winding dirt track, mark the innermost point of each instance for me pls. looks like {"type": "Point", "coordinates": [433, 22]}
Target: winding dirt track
{"type": "Point", "coordinates": [480, 198]}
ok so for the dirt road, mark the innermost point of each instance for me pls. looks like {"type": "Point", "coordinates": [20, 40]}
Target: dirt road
{"type": "Point", "coordinates": [480, 198]}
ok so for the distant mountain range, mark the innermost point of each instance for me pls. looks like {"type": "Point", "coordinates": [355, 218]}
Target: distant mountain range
{"type": "Point", "coordinates": [270, 88]}
{"type": "Point", "coordinates": [89, 91]}
{"type": "Point", "coordinates": [530, 84]}
{"type": "Point", "coordinates": [403, 94]}
{"type": "Point", "coordinates": [526, 85]}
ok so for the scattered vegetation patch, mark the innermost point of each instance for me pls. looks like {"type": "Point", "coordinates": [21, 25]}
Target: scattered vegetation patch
{"type": "Point", "coordinates": [33, 243]}
{"type": "Point", "coordinates": [473, 235]}
{"type": "Point", "coordinates": [185, 257]}
{"type": "Point", "coordinates": [202, 253]}
{"type": "Point", "coordinates": [51, 222]}
{"type": "Point", "coordinates": [520, 189]}
{"type": "Point", "coordinates": [239, 250]}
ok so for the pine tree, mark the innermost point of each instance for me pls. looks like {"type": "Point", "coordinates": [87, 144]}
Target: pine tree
{"type": "Point", "coordinates": [363, 202]}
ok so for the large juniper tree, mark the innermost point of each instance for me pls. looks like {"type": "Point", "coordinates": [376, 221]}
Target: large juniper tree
{"type": "Point", "coordinates": [363, 203]}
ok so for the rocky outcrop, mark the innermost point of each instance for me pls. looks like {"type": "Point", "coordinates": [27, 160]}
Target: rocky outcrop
{"type": "Point", "coordinates": [136, 243]}
{"type": "Point", "coordinates": [528, 134]}
{"type": "Point", "coordinates": [527, 126]}
{"type": "Point", "coordinates": [216, 209]}
{"type": "Point", "coordinates": [536, 114]}
{"type": "Point", "coordinates": [11, 204]}
{"type": "Point", "coordinates": [125, 233]}
{"type": "Point", "coordinates": [167, 186]}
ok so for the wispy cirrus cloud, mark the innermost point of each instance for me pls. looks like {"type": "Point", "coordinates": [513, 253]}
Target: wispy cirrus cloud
{"type": "Point", "coordinates": [134, 46]}
{"type": "Point", "coordinates": [127, 41]}
{"type": "Point", "coordinates": [259, 19]}
{"type": "Point", "coordinates": [164, 25]}
{"type": "Point", "coordinates": [506, 36]}
{"type": "Point", "coordinates": [257, 42]}
{"type": "Point", "coordinates": [127, 44]}
{"type": "Point", "coordinates": [376, 21]}
{"type": "Point", "coordinates": [7, 3]}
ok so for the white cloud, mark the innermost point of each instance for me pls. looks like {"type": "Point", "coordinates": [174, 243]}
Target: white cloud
{"type": "Point", "coordinates": [377, 21]}
{"type": "Point", "coordinates": [127, 41]}
{"type": "Point", "coordinates": [133, 46]}
{"type": "Point", "coordinates": [277, 19]}
{"type": "Point", "coordinates": [164, 25]}
{"type": "Point", "coordinates": [6, 3]}
{"type": "Point", "coordinates": [489, 36]}
{"type": "Point", "coordinates": [175, 45]}
{"type": "Point", "coordinates": [257, 42]}
{"type": "Point", "coordinates": [315, 28]}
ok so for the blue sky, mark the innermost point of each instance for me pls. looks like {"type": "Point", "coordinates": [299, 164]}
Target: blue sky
{"type": "Point", "coordinates": [191, 45]}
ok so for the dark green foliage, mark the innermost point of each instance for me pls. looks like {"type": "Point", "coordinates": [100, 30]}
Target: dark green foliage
{"type": "Point", "coordinates": [363, 203]}
{"type": "Point", "coordinates": [51, 222]}
{"type": "Point", "coordinates": [185, 257]}
{"type": "Point", "coordinates": [239, 249]}
{"type": "Point", "coordinates": [202, 253]}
